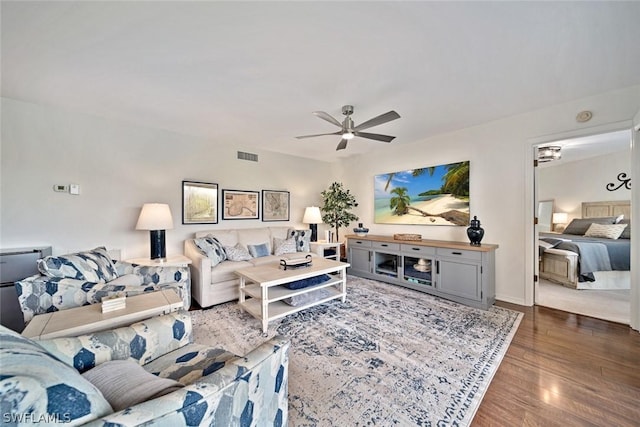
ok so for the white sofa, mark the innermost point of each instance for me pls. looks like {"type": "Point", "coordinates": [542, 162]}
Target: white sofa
{"type": "Point", "coordinates": [212, 285]}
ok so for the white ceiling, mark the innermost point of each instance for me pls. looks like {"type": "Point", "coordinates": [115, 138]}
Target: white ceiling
{"type": "Point", "coordinates": [251, 73]}
{"type": "Point", "coordinates": [590, 146]}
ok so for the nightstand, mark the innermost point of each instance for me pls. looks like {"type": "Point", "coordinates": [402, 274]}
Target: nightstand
{"type": "Point", "coordinates": [329, 250]}
{"type": "Point", "coordinates": [170, 261]}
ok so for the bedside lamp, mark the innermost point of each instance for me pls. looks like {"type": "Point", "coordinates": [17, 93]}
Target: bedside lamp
{"type": "Point", "coordinates": [156, 217]}
{"type": "Point", "coordinates": [312, 217]}
{"type": "Point", "coordinates": [559, 218]}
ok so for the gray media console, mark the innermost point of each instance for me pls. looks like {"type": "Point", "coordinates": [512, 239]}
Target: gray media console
{"type": "Point", "coordinates": [452, 270]}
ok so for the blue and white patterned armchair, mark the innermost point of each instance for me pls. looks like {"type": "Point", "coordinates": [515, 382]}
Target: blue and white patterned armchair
{"type": "Point", "coordinates": [82, 278]}
{"type": "Point", "coordinates": [51, 381]}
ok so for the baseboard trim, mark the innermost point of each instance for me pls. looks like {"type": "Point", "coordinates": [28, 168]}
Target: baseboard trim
{"type": "Point", "coordinates": [517, 301]}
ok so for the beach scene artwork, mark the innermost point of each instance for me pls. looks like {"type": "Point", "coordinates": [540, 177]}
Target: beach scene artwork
{"type": "Point", "coordinates": [434, 195]}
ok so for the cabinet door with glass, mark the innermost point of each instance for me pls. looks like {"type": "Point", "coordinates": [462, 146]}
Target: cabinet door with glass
{"type": "Point", "coordinates": [418, 265]}
{"type": "Point", "coordinates": [386, 264]}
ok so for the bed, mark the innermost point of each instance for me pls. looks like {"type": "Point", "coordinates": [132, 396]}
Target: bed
{"type": "Point", "coordinates": [586, 262]}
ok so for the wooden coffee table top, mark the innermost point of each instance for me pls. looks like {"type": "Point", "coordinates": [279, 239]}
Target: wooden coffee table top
{"type": "Point", "coordinates": [90, 318]}
{"type": "Point", "coordinates": [271, 274]}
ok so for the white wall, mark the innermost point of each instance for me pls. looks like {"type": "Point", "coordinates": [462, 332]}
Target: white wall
{"type": "Point", "coordinates": [501, 172]}
{"type": "Point", "coordinates": [119, 167]}
{"type": "Point", "coordinates": [570, 184]}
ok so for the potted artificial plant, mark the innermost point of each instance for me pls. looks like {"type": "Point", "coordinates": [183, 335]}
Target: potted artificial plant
{"type": "Point", "coordinates": [337, 203]}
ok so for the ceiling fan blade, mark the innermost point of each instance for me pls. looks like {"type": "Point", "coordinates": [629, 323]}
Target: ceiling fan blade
{"type": "Point", "coordinates": [376, 136]}
{"type": "Point", "coordinates": [382, 118]}
{"type": "Point", "coordinates": [328, 117]}
{"type": "Point", "coordinates": [319, 134]}
{"type": "Point", "coordinates": [342, 145]}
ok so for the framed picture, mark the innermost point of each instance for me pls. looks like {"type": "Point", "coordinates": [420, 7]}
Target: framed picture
{"type": "Point", "coordinates": [275, 205]}
{"type": "Point", "coordinates": [433, 195]}
{"type": "Point", "coordinates": [240, 204]}
{"type": "Point", "coordinates": [199, 202]}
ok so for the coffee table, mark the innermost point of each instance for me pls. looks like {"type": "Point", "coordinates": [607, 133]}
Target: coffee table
{"type": "Point", "coordinates": [90, 318]}
{"type": "Point", "coordinates": [264, 284]}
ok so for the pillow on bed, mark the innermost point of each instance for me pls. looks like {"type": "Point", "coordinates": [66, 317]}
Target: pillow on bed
{"type": "Point", "coordinates": [579, 226]}
{"type": "Point", "coordinates": [626, 234]}
{"type": "Point", "coordinates": [606, 231]}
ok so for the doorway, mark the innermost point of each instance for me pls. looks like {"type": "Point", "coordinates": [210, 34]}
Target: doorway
{"type": "Point", "coordinates": [581, 170]}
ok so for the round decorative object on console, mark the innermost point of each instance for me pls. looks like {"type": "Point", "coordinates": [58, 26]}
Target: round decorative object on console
{"type": "Point", "coordinates": [475, 232]}
{"type": "Point", "coordinates": [422, 265]}
{"type": "Point", "coordinates": [360, 230]}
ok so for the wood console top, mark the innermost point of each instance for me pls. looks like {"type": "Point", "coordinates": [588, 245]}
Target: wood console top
{"type": "Point", "coordinates": [485, 247]}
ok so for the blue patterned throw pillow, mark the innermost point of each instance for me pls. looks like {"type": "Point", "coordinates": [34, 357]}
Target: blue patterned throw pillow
{"type": "Point", "coordinates": [35, 387]}
{"type": "Point", "coordinates": [93, 266]}
{"type": "Point", "coordinates": [302, 238]}
{"type": "Point", "coordinates": [212, 248]}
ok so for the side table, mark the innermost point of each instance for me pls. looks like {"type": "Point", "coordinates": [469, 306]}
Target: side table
{"type": "Point", "coordinates": [328, 250]}
{"type": "Point", "coordinates": [90, 318]}
{"type": "Point", "coordinates": [170, 261]}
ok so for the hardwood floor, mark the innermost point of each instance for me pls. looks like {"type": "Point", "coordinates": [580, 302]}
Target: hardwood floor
{"type": "Point", "coordinates": [564, 369]}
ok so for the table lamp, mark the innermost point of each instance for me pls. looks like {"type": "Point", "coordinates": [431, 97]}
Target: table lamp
{"type": "Point", "coordinates": [156, 217]}
{"type": "Point", "coordinates": [559, 218]}
{"type": "Point", "coordinates": [312, 217]}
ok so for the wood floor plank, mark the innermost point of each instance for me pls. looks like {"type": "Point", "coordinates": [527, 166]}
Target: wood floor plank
{"type": "Point", "coordinates": [564, 369]}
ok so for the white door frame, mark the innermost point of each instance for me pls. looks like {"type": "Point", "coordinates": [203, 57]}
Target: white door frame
{"type": "Point", "coordinates": [635, 223]}
{"type": "Point", "coordinates": [531, 249]}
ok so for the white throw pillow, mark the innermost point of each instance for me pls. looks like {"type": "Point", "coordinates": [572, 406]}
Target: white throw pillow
{"type": "Point", "coordinates": [284, 246]}
{"type": "Point", "coordinates": [237, 253]}
{"type": "Point", "coordinates": [125, 383]}
{"type": "Point", "coordinates": [607, 231]}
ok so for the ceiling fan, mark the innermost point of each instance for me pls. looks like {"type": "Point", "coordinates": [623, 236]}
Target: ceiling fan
{"type": "Point", "coordinates": [348, 130]}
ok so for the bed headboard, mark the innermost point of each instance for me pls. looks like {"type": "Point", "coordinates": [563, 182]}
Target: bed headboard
{"type": "Point", "coordinates": [599, 209]}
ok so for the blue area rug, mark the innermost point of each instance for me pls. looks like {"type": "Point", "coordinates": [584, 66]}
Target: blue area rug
{"type": "Point", "coordinates": [386, 356]}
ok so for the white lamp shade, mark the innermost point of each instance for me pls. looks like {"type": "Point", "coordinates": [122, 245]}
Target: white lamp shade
{"type": "Point", "coordinates": [560, 218]}
{"type": "Point", "coordinates": [155, 216]}
{"type": "Point", "coordinates": [312, 215]}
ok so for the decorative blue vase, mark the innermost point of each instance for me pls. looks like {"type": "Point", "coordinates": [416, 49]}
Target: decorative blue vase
{"type": "Point", "coordinates": [475, 232]}
{"type": "Point", "coordinates": [360, 230]}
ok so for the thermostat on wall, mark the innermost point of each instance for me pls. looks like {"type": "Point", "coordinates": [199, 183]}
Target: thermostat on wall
{"type": "Point", "coordinates": [61, 188]}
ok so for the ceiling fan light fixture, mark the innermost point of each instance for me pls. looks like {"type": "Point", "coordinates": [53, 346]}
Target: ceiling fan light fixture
{"type": "Point", "coordinates": [549, 154]}
{"type": "Point", "coordinates": [348, 130]}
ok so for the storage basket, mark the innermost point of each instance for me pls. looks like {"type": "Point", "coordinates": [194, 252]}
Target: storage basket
{"type": "Point", "coordinates": [407, 237]}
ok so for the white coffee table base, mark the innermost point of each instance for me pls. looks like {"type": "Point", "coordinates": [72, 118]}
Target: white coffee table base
{"type": "Point", "coordinates": [263, 283]}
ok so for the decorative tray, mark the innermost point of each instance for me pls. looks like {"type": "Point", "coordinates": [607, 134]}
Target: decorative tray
{"type": "Point", "coordinates": [413, 237]}
{"type": "Point", "coordinates": [295, 262]}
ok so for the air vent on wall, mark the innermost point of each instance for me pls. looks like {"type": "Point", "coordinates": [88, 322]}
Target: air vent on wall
{"type": "Point", "coordinates": [247, 156]}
